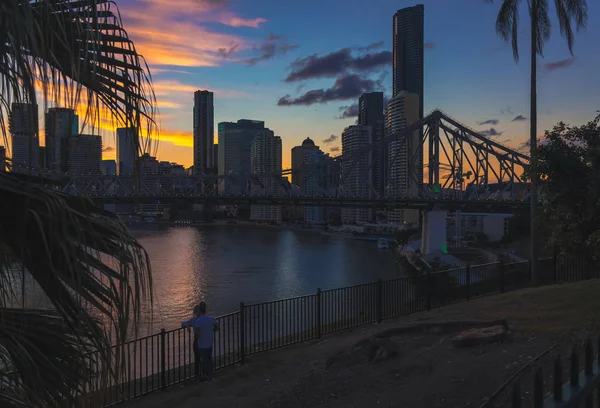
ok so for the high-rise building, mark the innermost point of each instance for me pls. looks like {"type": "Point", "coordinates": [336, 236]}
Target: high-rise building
{"type": "Point", "coordinates": [204, 130]}
{"type": "Point", "coordinates": [85, 154]}
{"type": "Point", "coordinates": [408, 42]}
{"type": "Point", "coordinates": [299, 162]}
{"type": "Point", "coordinates": [126, 150]}
{"type": "Point", "coordinates": [322, 178]}
{"type": "Point", "coordinates": [370, 113]}
{"type": "Point", "coordinates": [23, 127]}
{"type": "Point", "coordinates": [404, 155]}
{"type": "Point", "coordinates": [60, 124]}
{"type": "Point", "coordinates": [42, 158]}
{"type": "Point", "coordinates": [356, 171]}
{"type": "Point", "coordinates": [265, 160]}
{"type": "Point", "coordinates": [235, 142]}
{"type": "Point", "coordinates": [109, 167]}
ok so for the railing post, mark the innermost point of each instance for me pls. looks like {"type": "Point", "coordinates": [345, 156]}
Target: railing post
{"type": "Point", "coordinates": [242, 338]}
{"type": "Point", "coordinates": [501, 273]}
{"type": "Point", "coordinates": [468, 283]}
{"type": "Point", "coordinates": [163, 359]}
{"type": "Point", "coordinates": [428, 289]}
{"type": "Point", "coordinates": [318, 323]}
{"type": "Point", "coordinates": [379, 300]}
{"type": "Point", "coordinates": [555, 264]}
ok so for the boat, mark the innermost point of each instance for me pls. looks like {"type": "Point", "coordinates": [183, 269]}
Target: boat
{"type": "Point", "coordinates": [382, 243]}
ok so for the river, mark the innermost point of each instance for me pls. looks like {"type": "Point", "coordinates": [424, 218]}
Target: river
{"type": "Point", "coordinates": [226, 265]}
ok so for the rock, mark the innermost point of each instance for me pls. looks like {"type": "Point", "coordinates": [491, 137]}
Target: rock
{"type": "Point", "coordinates": [474, 337]}
{"type": "Point", "coordinates": [377, 349]}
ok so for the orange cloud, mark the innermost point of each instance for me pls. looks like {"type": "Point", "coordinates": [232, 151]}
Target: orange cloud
{"type": "Point", "coordinates": [184, 41]}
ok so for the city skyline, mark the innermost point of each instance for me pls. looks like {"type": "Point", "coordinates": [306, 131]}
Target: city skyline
{"type": "Point", "coordinates": [252, 56]}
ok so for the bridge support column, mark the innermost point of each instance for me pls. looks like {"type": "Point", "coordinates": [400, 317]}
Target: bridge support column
{"type": "Point", "coordinates": [434, 231]}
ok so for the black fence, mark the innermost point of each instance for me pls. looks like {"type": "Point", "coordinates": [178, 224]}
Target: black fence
{"type": "Point", "coordinates": [569, 385]}
{"type": "Point", "coordinates": [166, 358]}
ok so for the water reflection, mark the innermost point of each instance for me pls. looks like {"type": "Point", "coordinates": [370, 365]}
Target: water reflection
{"type": "Point", "coordinates": [229, 264]}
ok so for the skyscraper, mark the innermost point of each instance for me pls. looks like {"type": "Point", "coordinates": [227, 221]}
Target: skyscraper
{"type": "Point", "coordinates": [126, 150]}
{"type": "Point", "coordinates": [356, 171]}
{"type": "Point", "coordinates": [299, 162]}
{"type": "Point", "coordinates": [235, 142]}
{"type": "Point", "coordinates": [404, 155]}
{"type": "Point", "coordinates": [23, 127]}
{"type": "Point", "coordinates": [265, 159]}
{"type": "Point", "coordinates": [322, 178]}
{"type": "Point", "coordinates": [85, 154]}
{"type": "Point", "coordinates": [204, 130]}
{"type": "Point", "coordinates": [60, 124]}
{"type": "Point", "coordinates": [408, 40]}
{"type": "Point", "coordinates": [370, 113]}
{"type": "Point", "coordinates": [2, 158]}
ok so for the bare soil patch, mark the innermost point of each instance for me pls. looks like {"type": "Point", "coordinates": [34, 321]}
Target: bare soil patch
{"type": "Point", "coordinates": [417, 368]}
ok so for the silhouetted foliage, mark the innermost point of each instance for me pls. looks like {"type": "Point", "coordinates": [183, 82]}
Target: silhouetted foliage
{"type": "Point", "coordinates": [569, 170]}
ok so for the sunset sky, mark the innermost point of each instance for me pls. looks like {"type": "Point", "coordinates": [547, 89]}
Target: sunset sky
{"type": "Point", "coordinates": [259, 55]}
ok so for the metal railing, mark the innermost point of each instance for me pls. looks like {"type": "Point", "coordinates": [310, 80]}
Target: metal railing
{"type": "Point", "coordinates": [578, 391]}
{"type": "Point", "coordinates": [161, 360]}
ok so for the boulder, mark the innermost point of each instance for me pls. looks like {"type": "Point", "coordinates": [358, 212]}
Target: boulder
{"type": "Point", "coordinates": [377, 349]}
{"type": "Point", "coordinates": [485, 335]}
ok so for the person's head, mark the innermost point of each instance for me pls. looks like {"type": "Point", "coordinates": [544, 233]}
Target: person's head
{"type": "Point", "coordinates": [196, 310]}
{"type": "Point", "coordinates": [202, 308]}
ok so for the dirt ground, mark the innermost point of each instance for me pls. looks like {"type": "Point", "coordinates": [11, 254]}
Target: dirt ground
{"type": "Point", "coordinates": [428, 372]}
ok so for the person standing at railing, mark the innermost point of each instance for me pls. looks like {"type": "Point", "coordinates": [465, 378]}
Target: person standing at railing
{"type": "Point", "coordinates": [197, 358]}
{"type": "Point", "coordinates": [204, 327]}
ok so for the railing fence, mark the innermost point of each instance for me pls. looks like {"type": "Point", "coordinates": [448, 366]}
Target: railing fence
{"type": "Point", "coordinates": [166, 358]}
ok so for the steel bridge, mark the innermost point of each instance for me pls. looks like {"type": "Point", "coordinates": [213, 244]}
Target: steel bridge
{"type": "Point", "coordinates": [451, 165]}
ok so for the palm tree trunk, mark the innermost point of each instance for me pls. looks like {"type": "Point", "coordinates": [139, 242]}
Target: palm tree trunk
{"type": "Point", "coordinates": [533, 144]}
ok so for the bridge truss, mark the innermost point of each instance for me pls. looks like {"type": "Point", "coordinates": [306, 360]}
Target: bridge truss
{"type": "Point", "coordinates": [437, 157]}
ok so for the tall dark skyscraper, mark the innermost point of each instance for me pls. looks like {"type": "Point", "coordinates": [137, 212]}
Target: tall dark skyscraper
{"type": "Point", "coordinates": [204, 130]}
{"type": "Point", "coordinates": [370, 113]}
{"type": "Point", "coordinates": [408, 38]}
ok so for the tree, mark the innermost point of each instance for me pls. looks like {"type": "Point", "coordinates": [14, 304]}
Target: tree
{"type": "Point", "coordinates": [507, 27]}
{"type": "Point", "coordinates": [95, 276]}
{"type": "Point", "coordinates": [569, 170]}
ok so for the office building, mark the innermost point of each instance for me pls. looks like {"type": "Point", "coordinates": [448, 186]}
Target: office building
{"type": "Point", "coordinates": [408, 60]}
{"type": "Point", "coordinates": [59, 124]}
{"type": "Point", "coordinates": [235, 142]}
{"type": "Point", "coordinates": [23, 128]}
{"type": "Point", "coordinates": [42, 158]}
{"type": "Point", "coordinates": [371, 113]}
{"type": "Point", "coordinates": [265, 160]}
{"type": "Point", "coordinates": [408, 46]}
{"type": "Point", "coordinates": [404, 155]}
{"type": "Point", "coordinates": [85, 155]}
{"type": "Point", "coordinates": [109, 167]}
{"type": "Point", "coordinates": [204, 130]}
{"type": "Point", "coordinates": [299, 161]}
{"type": "Point", "coordinates": [356, 171]}
{"type": "Point", "coordinates": [127, 150]}
{"type": "Point", "coordinates": [322, 178]}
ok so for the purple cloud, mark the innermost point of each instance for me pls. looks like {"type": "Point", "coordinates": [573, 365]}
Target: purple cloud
{"type": "Point", "coordinates": [565, 63]}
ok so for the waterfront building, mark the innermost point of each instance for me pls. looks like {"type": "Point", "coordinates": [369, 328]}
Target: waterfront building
{"type": "Point", "coordinates": [265, 162]}
{"type": "Point", "coordinates": [60, 125]}
{"type": "Point", "coordinates": [404, 161]}
{"type": "Point", "coordinates": [127, 150]}
{"type": "Point", "coordinates": [204, 131]}
{"type": "Point", "coordinates": [371, 113]}
{"type": "Point", "coordinates": [356, 171]}
{"type": "Point", "coordinates": [235, 142]}
{"type": "Point", "coordinates": [24, 132]}
{"type": "Point", "coordinates": [85, 155]}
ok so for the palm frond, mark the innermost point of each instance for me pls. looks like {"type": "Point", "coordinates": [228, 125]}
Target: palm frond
{"type": "Point", "coordinates": [507, 24]}
{"type": "Point", "coordinates": [571, 11]}
{"type": "Point", "coordinates": [95, 276]}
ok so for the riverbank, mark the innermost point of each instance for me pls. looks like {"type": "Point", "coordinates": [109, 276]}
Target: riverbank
{"type": "Point", "coordinates": [427, 372]}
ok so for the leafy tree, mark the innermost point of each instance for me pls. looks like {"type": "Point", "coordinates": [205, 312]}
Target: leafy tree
{"type": "Point", "coordinates": [569, 171]}
{"type": "Point", "coordinates": [569, 12]}
{"type": "Point", "coordinates": [95, 276]}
